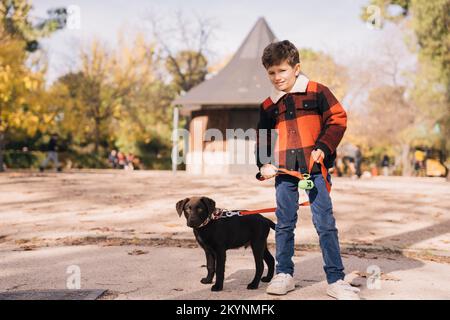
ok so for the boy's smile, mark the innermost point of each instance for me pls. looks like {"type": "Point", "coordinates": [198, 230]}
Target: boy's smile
{"type": "Point", "coordinates": [283, 75]}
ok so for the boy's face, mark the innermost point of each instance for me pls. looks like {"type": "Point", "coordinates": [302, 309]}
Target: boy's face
{"type": "Point", "coordinates": [283, 76]}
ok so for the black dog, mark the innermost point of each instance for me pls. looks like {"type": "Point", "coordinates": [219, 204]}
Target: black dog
{"type": "Point", "coordinates": [217, 236]}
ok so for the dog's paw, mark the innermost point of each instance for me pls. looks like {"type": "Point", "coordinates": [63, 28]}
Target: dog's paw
{"type": "Point", "coordinates": [266, 279]}
{"type": "Point", "coordinates": [252, 286]}
{"type": "Point", "coordinates": [206, 280]}
{"type": "Point", "coordinates": [216, 287]}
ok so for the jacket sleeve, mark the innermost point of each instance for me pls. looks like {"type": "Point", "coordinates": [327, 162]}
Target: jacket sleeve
{"type": "Point", "coordinates": [334, 122]}
{"type": "Point", "coordinates": [263, 138]}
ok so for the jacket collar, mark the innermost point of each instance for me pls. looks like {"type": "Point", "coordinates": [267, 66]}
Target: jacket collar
{"type": "Point", "coordinates": [300, 85]}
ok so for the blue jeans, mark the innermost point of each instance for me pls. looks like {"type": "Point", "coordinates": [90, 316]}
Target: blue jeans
{"type": "Point", "coordinates": [322, 215]}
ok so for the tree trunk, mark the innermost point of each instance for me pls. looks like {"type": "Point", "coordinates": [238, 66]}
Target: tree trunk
{"type": "Point", "coordinates": [445, 154]}
{"type": "Point", "coordinates": [2, 144]}
{"type": "Point", "coordinates": [406, 165]}
{"type": "Point", "coordinates": [97, 135]}
{"type": "Point", "coordinates": [2, 141]}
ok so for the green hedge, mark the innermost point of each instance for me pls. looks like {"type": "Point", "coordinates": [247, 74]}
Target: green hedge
{"type": "Point", "coordinates": [32, 160]}
{"type": "Point", "coordinates": [23, 160]}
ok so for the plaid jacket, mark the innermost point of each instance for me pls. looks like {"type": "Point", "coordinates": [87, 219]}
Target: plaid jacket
{"type": "Point", "coordinates": [309, 117]}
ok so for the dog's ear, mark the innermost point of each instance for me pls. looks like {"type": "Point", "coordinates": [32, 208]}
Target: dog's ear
{"type": "Point", "coordinates": [180, 206]}
{"type": "Point", "coordinates": [209, 203]}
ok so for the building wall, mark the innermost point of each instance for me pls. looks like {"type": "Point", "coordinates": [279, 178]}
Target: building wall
{"type": "Point", "coordinates": [222, 156]}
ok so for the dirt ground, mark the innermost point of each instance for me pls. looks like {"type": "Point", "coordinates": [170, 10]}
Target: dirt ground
{"type": "Point", "coordinates": [122, 229]}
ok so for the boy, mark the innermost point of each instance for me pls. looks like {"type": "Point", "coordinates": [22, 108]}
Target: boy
{"type": "Point", "coordinates": [310, 123]}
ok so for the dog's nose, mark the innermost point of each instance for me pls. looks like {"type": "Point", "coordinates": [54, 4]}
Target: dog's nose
{"type": "Point", "coordinates": [193, 222]}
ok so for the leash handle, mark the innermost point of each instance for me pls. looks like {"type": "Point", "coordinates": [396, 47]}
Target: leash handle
{"type": "Point", "coordinates": [301, 176]}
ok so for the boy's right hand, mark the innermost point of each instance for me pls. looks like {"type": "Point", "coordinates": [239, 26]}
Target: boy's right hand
{"type": "Point", "coordinates": [268, 171]}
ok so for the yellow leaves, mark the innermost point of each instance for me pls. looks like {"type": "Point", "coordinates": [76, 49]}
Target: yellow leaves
{"type": "Point", "coordinates": [321, 67]}
{"type": "Point", "coordinates": [16, 121]}
{"type": "Point", "coordinates": [21, 88]}
{"type": "Point", "coordinates": [32, 124]}
{"type": "Point", "coordinates": [47, 118]}
{"type": "Point", "coordinates": [5, 82]}
{"type": "Point", "coordinates": [4, 97]}
{"type": "Point", "coordinates": [32, 82]}
{"type": "Point", "coordinates": [28, 83]}
{"type": "Point", "coordinates": [5, 73]}
{"type": "Point", "coordinates": [26, 120]}
{"type": "Point", "coordinates": [117, 111]}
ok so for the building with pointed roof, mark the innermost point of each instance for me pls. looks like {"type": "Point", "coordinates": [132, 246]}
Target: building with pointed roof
{"type": "Point", "coordinates": [229, 100]}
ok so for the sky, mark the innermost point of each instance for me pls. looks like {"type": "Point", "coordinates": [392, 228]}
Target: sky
{"type": "Point", "coordinates": [331, 26]}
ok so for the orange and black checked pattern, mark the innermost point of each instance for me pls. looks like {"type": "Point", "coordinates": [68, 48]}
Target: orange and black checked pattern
{"type": "Point", "coordinates": [303, 122]}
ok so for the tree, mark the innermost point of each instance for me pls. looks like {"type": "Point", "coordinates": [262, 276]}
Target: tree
{"type": "Point", "coordinates": [73, 90]}
{"type": "Point", "coordinates": [430, 22]}
{"type": "Point", "coordinates": [16, 23]}
{"type": "Point", "coordinates": [392, 120]}
{"type": "Point", "coordinates": [22, 91]}
{"type": "Point", "coordinates": [144, 116]}
{"type": "Point", "coordinates": [322, 68]}
{"type": "Point", "coordinates": [187, 65]}
{"type": "Point", "coordinates": [116, 97]}
{"type": "Point", "coordinates": [187, 68]}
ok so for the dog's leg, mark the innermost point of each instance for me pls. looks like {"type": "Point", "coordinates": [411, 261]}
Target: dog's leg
{"type": "Point", "coordinates": [270, 261]}
{"type": "Point", "coordinates": [210, 265]}
{"type": "Point", "coordinates": [220, 269]}
{"type": "Point", "coordinates": [258, 252]}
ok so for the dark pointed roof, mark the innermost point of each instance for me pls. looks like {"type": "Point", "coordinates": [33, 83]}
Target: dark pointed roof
{"type": "Point", "coordinates": [242, 81]}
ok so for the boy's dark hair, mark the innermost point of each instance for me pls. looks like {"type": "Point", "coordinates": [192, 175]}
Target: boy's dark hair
{"type": "Point", "coordinates": [277, 52]}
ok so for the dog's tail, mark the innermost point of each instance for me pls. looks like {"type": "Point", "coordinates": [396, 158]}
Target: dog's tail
{"type": "Point", "coordinates": [271, 223]}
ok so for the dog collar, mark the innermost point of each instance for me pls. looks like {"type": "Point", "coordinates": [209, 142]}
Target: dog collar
{"type": "Point", "coordinates": [205, 222]}
{"type": "Point", "coordinates": [219, 214]}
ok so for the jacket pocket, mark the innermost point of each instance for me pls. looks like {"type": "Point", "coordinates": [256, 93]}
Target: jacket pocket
{"type": "Point", "coordinates": [309, 105]}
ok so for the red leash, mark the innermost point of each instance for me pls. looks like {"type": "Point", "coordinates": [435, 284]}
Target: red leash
{"type": "Point", "coordinates": [246, 212]}
{"type": "Point", "coordinates": [295, 174]}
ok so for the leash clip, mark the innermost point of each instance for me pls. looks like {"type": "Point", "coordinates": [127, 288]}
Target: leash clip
{"type": "Point", "coordinates": [231, 213]}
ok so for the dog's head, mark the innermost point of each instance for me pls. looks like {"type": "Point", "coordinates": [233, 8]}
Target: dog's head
{"type": "Point", "coordinates": [196, 210]}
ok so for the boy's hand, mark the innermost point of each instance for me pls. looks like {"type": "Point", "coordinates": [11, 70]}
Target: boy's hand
{"type": "Point", "coordinates": [317, 155]}
{"type": "Point", "coordinates": [268, 171]}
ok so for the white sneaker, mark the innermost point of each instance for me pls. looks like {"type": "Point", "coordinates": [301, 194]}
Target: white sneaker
{"type": "Point", "coordinates": [342, 290]}
{"type": "Point", "coordinates": [281, 284]}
